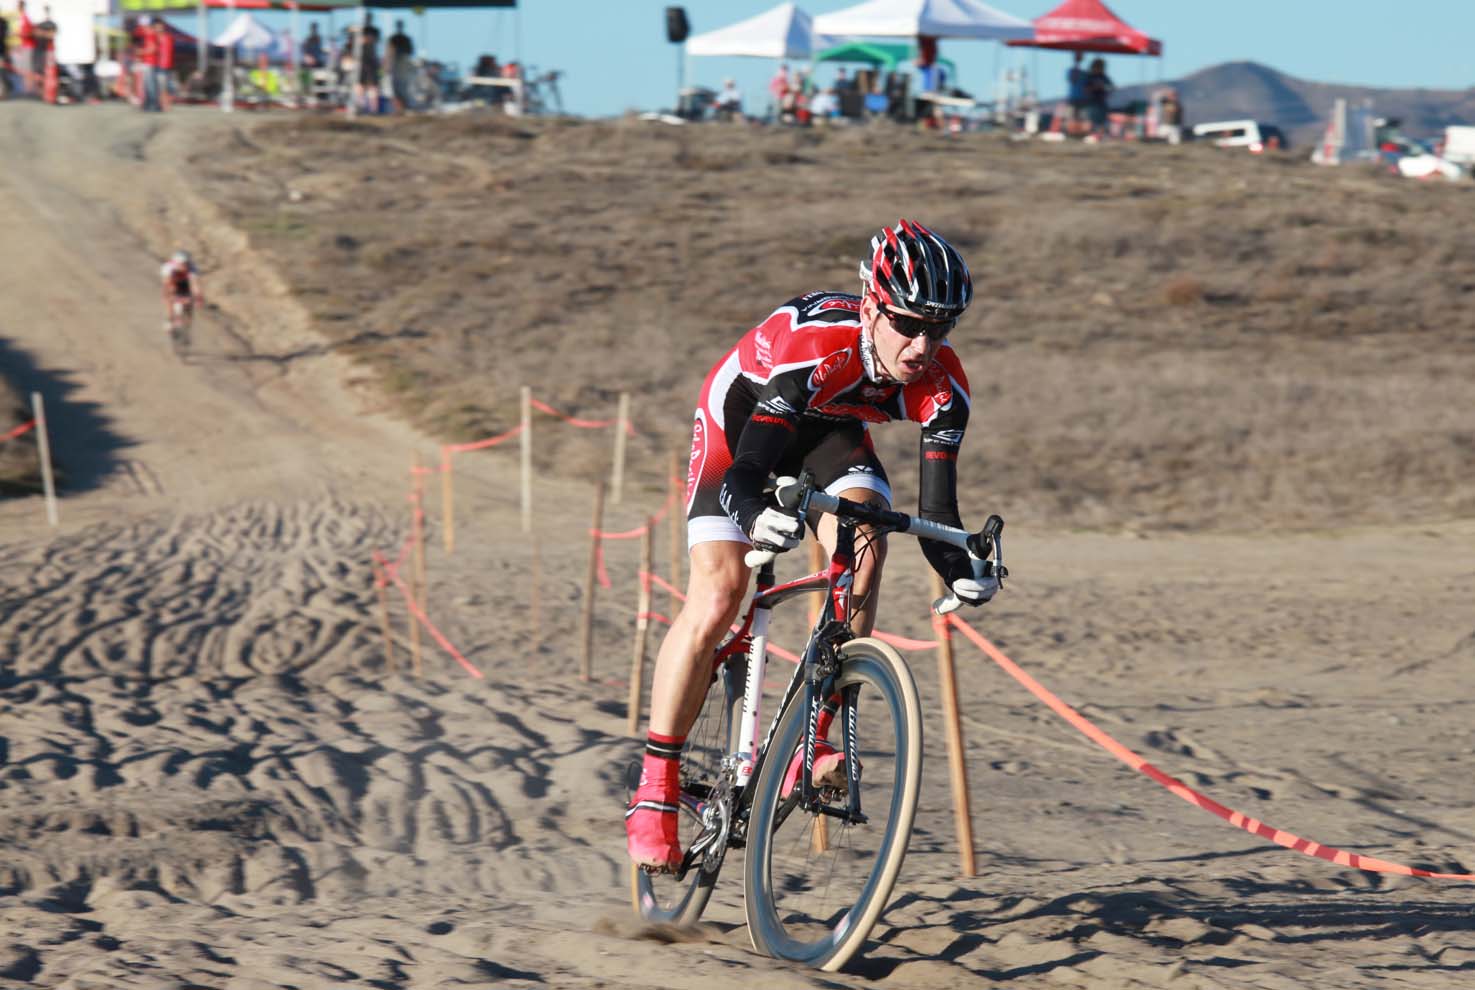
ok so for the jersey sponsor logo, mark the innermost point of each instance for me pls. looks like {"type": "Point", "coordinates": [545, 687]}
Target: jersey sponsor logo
{"type": "Point", "coordinates": [698, 456]}
{"type": "Point", "coordinates": [875, 392]}
{"type": "Point", "coordinates": [941, 455]}
{"type": "Point", "coordinates": [950, 437]}
{"type": "Point", "coordinates": [842, 410]}
{"type": "Point", "coordinates": [778, 406]}
{"type": "Point", "coordinates": [772, 421]}
{"type": "Point", "coordinates": [763, 349]}
{"type": "Point", "coordinates": [931, 394]}
{"type": "Point", "coordinates": [827, 369]}
{"type": "Point", "coordinates": [848, 303]}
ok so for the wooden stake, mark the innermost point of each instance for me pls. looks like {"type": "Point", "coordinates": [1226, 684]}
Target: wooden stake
{"type": "Point", "coordinates": [447, 502]}
{"type": "Point", "coordinates": [391, 661]}
{"type": "Point", "coordinates": [414, 592]}
{"type": "Point", "coordinates": [586, 662]}
{"type": "Point", "coordinates": [43, 447]}
{"type": "Point", "coordinates": [535, 614]}
{"type": "Point", "coordinates": [527, 459]}
{"type": "Point", "coordinates": [642, 626]}
{"type": "Point", "coordinates": [677, 530]}
{"type": "Point", "coordinates": [419, 488]}
{"type": "Point", "coordinates": [622, 424]}
{"type": "Point", "coordinates": [946, 676]}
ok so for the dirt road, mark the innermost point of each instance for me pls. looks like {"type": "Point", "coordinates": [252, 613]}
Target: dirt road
{"type": "Point", "coordinates": [209, 776]}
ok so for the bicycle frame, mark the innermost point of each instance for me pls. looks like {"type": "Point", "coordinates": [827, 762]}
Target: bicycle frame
{"type": "Point", "coordinates": [816, 668]}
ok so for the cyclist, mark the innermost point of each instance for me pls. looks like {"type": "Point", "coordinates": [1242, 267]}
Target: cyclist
{"type": "Point", "coordinates": [181, 287]}
{"type": "Point", "coordinates": [800, 390]}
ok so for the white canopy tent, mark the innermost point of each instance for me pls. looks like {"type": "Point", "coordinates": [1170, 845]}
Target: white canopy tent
{"type": "Point", "coordinates": [782, 32]}
{"type": "Point", "coordinates": [911, 18]}
{"type": "Point", "coordinates": [248, 33]}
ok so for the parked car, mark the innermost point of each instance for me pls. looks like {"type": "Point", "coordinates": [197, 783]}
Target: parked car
{"type": "Point", "coordinates": [1252, 134]}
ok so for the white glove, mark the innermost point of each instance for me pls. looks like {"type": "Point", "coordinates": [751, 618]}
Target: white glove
{"type": "Point", "coordinates": [975, 591]}
{"type": "Point", "coordinates": [777, 528]}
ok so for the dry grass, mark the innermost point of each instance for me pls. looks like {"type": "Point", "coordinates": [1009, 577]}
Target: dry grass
{"type": "Point", "coordinates": [1163, 337]}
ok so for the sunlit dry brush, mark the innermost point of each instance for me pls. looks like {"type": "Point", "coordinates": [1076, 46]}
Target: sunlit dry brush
{"type": "Point", "coordinates": [1177, 337]}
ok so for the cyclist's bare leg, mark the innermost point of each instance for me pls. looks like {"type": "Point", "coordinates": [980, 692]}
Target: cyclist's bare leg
{"type": "Point", "coordinates": [714, 593]}
{"type": "Point", "coordinates": [867, 589]}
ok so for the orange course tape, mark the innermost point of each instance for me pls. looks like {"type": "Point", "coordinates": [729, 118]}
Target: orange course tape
{"type": "Point", "coordinates": [586, 424]}
{"type": "Point", "coordinates": [461, 448]}
{"type": "Point", "coordinates": [392, 572]}
{"type": "Point", "coordinates": [1236, 818]}
{"type": "Point", "coordinates": [23, 428]}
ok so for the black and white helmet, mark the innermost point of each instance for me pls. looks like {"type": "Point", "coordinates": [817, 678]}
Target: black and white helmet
{"type": "Point", "coordinates": [914, 271]}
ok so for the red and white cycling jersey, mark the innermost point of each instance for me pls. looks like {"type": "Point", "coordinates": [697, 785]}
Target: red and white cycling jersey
{"type": "Point", "coordinates": [177, 275]}
{"type": "Point", "coordinates": [800, 389]}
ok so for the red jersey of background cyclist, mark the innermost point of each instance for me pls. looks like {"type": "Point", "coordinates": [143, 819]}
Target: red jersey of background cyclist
{"type": "Point", "coordinates": [800, 389]}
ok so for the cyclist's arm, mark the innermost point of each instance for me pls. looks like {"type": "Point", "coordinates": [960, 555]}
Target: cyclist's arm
{"type": "Point", "coordinates": [196, 291]}
{"type": "Point", "coordinates": [764, 438]}
{"type": "Point", "coordinates": [945, 418]}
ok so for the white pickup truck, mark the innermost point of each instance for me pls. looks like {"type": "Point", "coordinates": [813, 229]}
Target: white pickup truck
{"type": "Point", "coordinates": [1459, 145]}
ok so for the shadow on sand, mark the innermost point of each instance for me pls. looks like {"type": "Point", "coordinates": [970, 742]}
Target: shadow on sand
{"type": "Point", "coordinates": [84, 447]}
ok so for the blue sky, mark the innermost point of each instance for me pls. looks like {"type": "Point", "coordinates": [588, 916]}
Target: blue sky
{"type": "Point", "coordinates": [615, 55]}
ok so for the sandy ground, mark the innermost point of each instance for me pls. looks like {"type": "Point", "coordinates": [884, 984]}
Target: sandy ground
{"type": "Point", "coordinates": [210, 776]}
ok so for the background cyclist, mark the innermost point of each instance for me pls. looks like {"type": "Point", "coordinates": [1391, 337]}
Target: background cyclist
{"type": "Point", "coordinates": [800, 390]}
{"type": "Point", "coordinates": [181, 287]}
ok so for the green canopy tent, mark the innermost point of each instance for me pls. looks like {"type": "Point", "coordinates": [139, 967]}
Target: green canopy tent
{"type": "Point", "coordinates": [883, 54]}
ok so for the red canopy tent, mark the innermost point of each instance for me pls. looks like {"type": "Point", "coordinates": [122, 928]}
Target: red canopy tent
{"type": "Point", "coordinates": [1089, 26]}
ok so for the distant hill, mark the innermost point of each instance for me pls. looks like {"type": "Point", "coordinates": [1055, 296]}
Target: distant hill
{"type": "Point", "coordinates": [1249, 89]}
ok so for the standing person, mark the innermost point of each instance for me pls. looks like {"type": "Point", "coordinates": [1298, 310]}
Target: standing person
{"type": "Point", "coordinates": [26, 34]}
{"type": "Point", "coordinates": [398, 51]}
{"type": "Point", "coordinates": [778, 88]}
{"type": "Point", "coordinates": [312, 48]}
{"type": "Point", "coordinates": [729, 103]}
{"type": "Point", "coordinates": [1099, 88]}
{"type": "Point", "coordinates": [1170, 123]}
{"type": "Point", "coordinates": [800, 390]}
{"type": "Point", "coordinates": [44, 52]}
{"type": "Point", "coordinates": [366, 90]}
{"type": "Point", "coordinates": [145, 60]}
{"type": "Point", "coordinates": [1075, 91]}
{"type": "Point", "coordinates": [4, 56]}
{"type": "Point", "coordinates": [163, 65]}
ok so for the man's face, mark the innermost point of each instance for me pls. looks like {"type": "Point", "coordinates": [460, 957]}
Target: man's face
{"type": "Point", "coordinates": [900, 357]}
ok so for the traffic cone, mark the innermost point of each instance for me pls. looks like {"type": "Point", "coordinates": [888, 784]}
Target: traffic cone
{"type": "Point", "coordinates": [52, 82]}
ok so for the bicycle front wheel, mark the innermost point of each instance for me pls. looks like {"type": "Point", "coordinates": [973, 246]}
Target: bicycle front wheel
{"type": "Point", "coordinates": [705, 807]}
{"type": "Point", "coordinates": [816, 884]}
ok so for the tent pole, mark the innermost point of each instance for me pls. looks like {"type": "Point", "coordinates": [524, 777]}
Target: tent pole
{"type": "Point", "coordinates": [358, 61]}
{"type": "Point", "coordinates": [296, 53]}
{"type": "Point", "coordinates": [228, 90]}
{"type": "Point", "coordinates": [202, 44]}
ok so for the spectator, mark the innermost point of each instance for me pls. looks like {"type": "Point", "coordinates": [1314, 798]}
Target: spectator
{"type": "Point", "coordinates": [1075, 90]}
{"type": "Point", "coordinates": [1170, 121]}
{"type": "Point", "coordinates": [778, 90]}
{"type": "Point", "coordinates": [366, 89]}
{"type": "Point", "coordinates": [824, 106]}
{"type": "Point", "coordinates": [45, 51]}
{"type": "Point", "coordinates": [4, 56]}
{"type": "Point", "coordinates": [312, 48]}
{"type": "Point", "coordinates": [146, 54]}
{"type": "Point", "coordinates": [729, 103]}
{"type": "Point", "coordinates": [842, 81]}
{"type": "Point", "coordinates": [1099, 88]}
{"type": "Point", "coordinates": [26, 32]}
{"type": "Point", "coordinates": [398, 51]}
{"type": "Point", "coordinates": [163, 65]}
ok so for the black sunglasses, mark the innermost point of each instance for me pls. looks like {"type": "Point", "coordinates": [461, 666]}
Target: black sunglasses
{"type": "Point", "coordinates": [915, 326]}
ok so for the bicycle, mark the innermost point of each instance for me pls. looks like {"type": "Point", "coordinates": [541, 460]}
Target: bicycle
{"type": "Point", "coordinates": [733, 786]}
{"type": "Point", "coordinates": [181, 320]}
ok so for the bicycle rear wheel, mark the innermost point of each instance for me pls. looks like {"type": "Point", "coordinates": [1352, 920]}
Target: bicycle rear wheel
{"type": "Point", "coordinates": [702, 821]}
{"type": "Point", "coordinates": [814, 898]}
